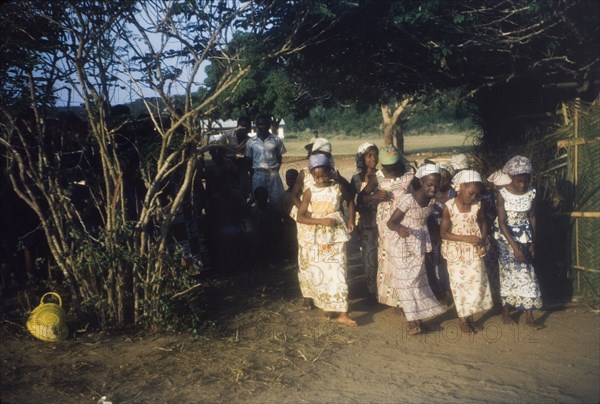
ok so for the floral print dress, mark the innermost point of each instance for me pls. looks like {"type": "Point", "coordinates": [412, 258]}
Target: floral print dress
{"type": "Point", "coordinates": [405, 283]}
{"type": "Point", "coordinates": [466, 269]}
{"type": "Point", "coordinates": [322, 259]}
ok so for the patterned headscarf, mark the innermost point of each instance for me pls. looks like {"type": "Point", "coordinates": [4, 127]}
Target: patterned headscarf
{"type": "Point", "coordinates": [318, 160]}
{"type": "Point", "coordinates": [518, 165]}
{"type": "Point", "coordinates": [465, 176]}
{"type": "Point", "coordinates": [427, 169]}
{"type": "Point", "coordinates": [360, 163]}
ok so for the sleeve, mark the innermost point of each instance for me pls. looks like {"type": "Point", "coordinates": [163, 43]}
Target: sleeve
{"type": "Point", "coordinates": [282, 149]}
{"type": "Point", "coordinates": [248, 150]}
{"type": "Point", "coordinates": [404, 202]}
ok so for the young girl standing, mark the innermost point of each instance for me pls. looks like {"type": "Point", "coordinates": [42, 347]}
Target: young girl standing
{"type": "Point", "coordinates": [409, 242]}
{"type": "Point", "coordinates": [367, 158]}
{"type": "Point", "coordinates": [324, 280]}
{"type": "Point", "coordinates": [464, 230]}
{"type": "Point", "coordinates": [388, 185]}
{"type": "Point", "coordinates": [516, 222]}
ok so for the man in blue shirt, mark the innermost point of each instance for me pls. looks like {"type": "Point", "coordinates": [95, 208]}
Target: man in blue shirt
{"type": "Point", "coordinates": [265, 150]}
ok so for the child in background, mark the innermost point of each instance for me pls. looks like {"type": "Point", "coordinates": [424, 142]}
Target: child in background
{"type": "Point", "coordinates": [437, 270]}
{"type": "Point", "coordinates": [516, 222]}
{"type": "Point", "coordinates": [389, 184]}
{"type": "Point", "coordinates": [285, 204]}
{"type": "Point", "coordinates": [496, 181]}
{"type": "Point", "coordinates": [464, 230]}
{"type": "Point", "coordinates": [409, 242]}
{"type": "Point", "coordinates": [367, 158]}
{"type": "Point", "coordinates": [325, 279]}
{"type": "Point", "coordinates": [286, 201]}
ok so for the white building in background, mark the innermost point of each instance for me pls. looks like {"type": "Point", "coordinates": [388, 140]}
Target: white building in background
{"type": "Point", "coordinates": [223, 127]}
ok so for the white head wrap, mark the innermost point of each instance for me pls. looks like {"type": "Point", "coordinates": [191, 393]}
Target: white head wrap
{"type": "Point", "coordinates": [321, 144]}
{"type": "Point", "coordinates": [499, 178]}
{"type": "Point", "coordinates": [465, 176]}
{"type": "Point", "coordinates": [447, 166]}
{"type": "Point", "coordinates": [427, 169]}
{"type": "Point", "coordinates": [459, 162]}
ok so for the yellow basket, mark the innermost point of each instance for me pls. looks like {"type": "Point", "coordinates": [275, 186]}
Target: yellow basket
{"type": "Point", "coordinates": [48, 321]}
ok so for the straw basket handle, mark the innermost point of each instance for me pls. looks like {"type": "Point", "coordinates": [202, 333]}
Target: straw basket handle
{"type": "Point", "coordinates": [52, 294]}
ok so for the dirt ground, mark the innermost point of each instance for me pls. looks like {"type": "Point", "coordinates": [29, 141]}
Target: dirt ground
{"type": "Point", "coordinates": [259, 345]}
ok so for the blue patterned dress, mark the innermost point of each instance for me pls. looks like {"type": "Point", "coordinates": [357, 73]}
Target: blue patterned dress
{"type": "Point", "coordinates": [518, 284]}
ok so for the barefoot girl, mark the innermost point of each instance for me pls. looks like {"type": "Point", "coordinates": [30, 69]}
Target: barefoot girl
{"type": "Point", "coordinates": [389, 184]}
{"type": "Point", "coordinates": [324, 279]}
{"type": "Point", "coordinates": [409, 242]}
{"type": "Point", "coordinates": [516, 221]}
{"type": "Point", "coordinates": [464, 230]}
{"type": "Point", "coordinates": [320, 146]}
{"type": "Point", "coordinates": [367, 158]}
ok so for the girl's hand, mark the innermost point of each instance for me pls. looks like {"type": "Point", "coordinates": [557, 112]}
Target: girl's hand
{"type": "Point", "coordinates": [403, 231]}
{"type": "Point", "coordinates": [329, 221]}
{"type": "Point", "coordinates": [518, 254]}
{"type": "Point", "coordinates": [481, 250]}
{"type": "Point", "coordinates": [380, 195]}
{"type": "Point", "coordinates": [350, 226]}
{"type": "Point", "coordinates": [476, 241]}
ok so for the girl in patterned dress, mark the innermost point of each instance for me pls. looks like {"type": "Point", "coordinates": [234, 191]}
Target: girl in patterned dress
{"type": "Point", "coordinates": [320, 146]}
{"type": "Point", "coordinates": [389, 184]}
{"type": "Point", "coordinates": [464, 230]}
{"type": "Point", "coordinates": [324, 279]}
{"type": "Point", "coordinates": [516, 227]}
{"type": "Point", "coordinates": [367, 158]}
{"type": "Point", "coordinates": [408, 243]}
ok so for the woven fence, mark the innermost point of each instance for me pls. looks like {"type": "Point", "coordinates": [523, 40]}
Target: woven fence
{"type": "Point", "coordinates": [573, 178]}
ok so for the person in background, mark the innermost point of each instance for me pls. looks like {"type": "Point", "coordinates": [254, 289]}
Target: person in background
{"type": "Point", "coordinates": [464, 231]}
{"type": "Point", "coordinates": [496, 181]}
{"type": "Point", "coordinates": [367, 158]}
{"type": "Point", "coordinates": [286, 203]}
{"type": "Point", "coordinates": [327, 232]}
{"type": "Point", "coordinates": [516, 222]}
{"type": "Point", "coordinates": [265, 151]}
{"type": "Point", "coordinates": [437, 271]}
{"type": "Point", "coordinates": [408, 243]}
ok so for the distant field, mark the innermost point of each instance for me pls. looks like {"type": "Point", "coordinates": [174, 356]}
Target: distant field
{"type": "Point", "coordinates": [417, 148]}
{"type": "Point", "coordinates": [438, 143]}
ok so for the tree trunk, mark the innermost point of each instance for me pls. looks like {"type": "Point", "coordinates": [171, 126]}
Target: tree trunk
{"type": "Point", "coordinates": [391, 123]}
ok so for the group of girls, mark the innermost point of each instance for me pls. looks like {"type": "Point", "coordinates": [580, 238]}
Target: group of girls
{"type": "Point", "coordinates": [393, 207]}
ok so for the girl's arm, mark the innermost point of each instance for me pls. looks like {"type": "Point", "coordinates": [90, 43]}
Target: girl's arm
{"type": "Point", "coordinates": [347, 189]}
{"type": "Point", "coordinates": [371, 193]}
{"type": "Point", "coordinates": [394, 223]}
{"type": "Point", "coordinates": [446, 234]}
{"type": "Point", "coordinates": [533, 221]}
{"type": "Point", "coordinates": [297, 189]}
{"type": "Point", "coordinates": [506, 231]}
{"type": "Point", "coordinates": [304, 216]}
{"type": "Point", "coordinates": [351, 215]}
{"type": "Point", "coordinates": [482, 221]}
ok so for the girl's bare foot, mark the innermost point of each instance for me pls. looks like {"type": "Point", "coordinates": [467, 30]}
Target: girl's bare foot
{"type": "Point", "coordinates": [344, 319]}
{"type": "Point", "coordinates": [308, 303]}
{"type": "Point", "coordinates": [465, 328]}
{"type": "Point", "coordinates": [413, 328]}
{"type": "Point", "coordinates": [530, 321]}
{"type": "Point", "coordinates": [506, 319]}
